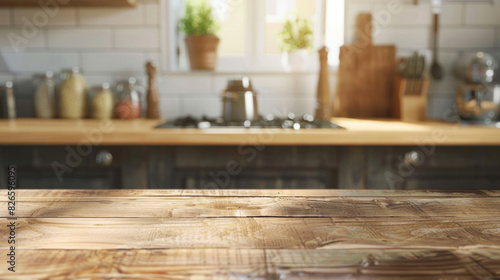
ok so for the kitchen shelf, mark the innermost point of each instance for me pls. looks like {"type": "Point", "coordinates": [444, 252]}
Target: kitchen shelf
{"type": "Point", "coordinates": [71, 3]}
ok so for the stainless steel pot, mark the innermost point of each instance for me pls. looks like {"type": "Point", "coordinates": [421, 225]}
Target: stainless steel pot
{"type": "Point", "coordinates": [479, 103]}
{"type": "Point", "coordinates": [239, 101]}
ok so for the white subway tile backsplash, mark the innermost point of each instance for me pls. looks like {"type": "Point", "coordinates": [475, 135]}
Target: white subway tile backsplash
{"type": "Point", "coordinates": [406, 15]}
{"type": "Point", "coordinates": [170, 108]}
{"type": "Point", "coordinates": [482, 14]}
{"type": "Point", "coordinates": [152, 14]}
{"type": "Point", "coordinates": [79, 38]}
{"type": "Point", "coordinates": [38, 61]}
{"type": "Point", "coordinates": [185, 84]}
{"type": "Point", "coordinates": [98, 80]}
{"type": "Point", "coordinates": [469, 37]}
{"type": "Point", "coordinates": [274, 84]}
{"type": "Point", "coordinates": [4, 16]}
{"type": "Point", "coordinates": [115, 62]}
{"type": "Point", "coordinates": [306, 84]}
{"type": "Point", "coordinates": [14, 39]}
{"type": "Point", "coordinates": [407, 38]}
{"type": "Point", "coordinates": [40, 17]}
{"type": "Point", "coordinates": [137, 38]}
{"type": "Point", "coordinates": [111, 16]}
{"type": "Point", "coordinates": [202, 106]}
{"type": "Point", "coordinates": [276, 106]}
{"type": "Point", "coordinates": [451, 13]}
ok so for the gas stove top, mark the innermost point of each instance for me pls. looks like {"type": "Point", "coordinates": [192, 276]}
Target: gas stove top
{"type": "Point", "coordinates": [306, 121]}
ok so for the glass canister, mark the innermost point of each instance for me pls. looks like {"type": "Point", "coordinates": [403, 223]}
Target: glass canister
{"type": "Point", "coordinates": [44, 99]}
{"type": "Point", "coordinates": [128, 104]}
{"type": "Point", "coordinates": [102, 103]}
{"type": "Point", "coordinates": [73, 96]}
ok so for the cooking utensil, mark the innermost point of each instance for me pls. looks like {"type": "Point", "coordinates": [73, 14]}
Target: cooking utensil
{"type": "Point", "coordinates": [436, 68]}
{"type": "Point", "coordinates": [476, 68]}
{"type": "Point", "coordinates": [366, 76]}
{"type": "Point", "coordinates": [479, 103]}
{"type": "Point", "coordinates": [239, 101]}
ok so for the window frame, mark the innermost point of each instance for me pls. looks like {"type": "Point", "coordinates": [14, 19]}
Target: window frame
{"type": "Point", "coordinates": [255, 60]}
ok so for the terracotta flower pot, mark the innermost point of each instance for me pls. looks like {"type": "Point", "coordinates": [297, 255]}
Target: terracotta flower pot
{"type": "Point", "coordinates": [202, 51]}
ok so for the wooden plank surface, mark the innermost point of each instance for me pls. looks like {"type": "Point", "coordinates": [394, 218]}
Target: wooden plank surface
{"type": "Point", "coordinates": [214, 207]}
{"type": "Point", "coordinates": [252, 234]}
{"type": "Point", "coordinates": [142, 132]}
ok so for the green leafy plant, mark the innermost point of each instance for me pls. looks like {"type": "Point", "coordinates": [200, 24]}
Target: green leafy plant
{"type": "Point", "coordinates": [199, 19]}
{"type": "Point", "coordinates": [296, 34]}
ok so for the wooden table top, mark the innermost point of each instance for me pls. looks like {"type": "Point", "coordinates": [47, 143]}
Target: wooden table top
{"type": "Point", "coordinates": [142, 132]}
{"type": "Point", "coordinates": [254, 234]}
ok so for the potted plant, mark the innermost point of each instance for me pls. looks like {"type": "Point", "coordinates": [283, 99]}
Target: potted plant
{"type": "Point", "coordinates": [296, 40]}
{"type": "Point", "coordinates": [200, 26]}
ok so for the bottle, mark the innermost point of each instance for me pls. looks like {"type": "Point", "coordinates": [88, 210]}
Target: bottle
{"type": "Point", "coordinates": [73, 96]}
{"type": "Point", "coordinates": [129, 104]}
{"type": "Point", "coordinates": [45, 107]}
{"type": "Point", "coordinates": [102, 103]}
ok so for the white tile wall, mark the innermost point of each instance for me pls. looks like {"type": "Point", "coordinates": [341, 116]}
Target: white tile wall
{"type": "Point", "coordinates": [114, 62]}
{"type": "Point", "coordinates": [464, 38]}
{"type": "Point", "coordinates": [137, 38]}
{"type": "Point", "coordinates": [111, 16]}
{"type": "Point", "coordinates": [111, 44]}
{"type": "Point", "coordinates": [15, 38]}
{"type": "Point", "coordinates": [38, 61]}
{"type": "Point", "coordinates": [152, 14]}
{"type": "Point", "coordinates": [79, 38]}
{"type": "Point", "coordinates": [482, 14]}
{"type": "Point", "coordinates": [41, 18]}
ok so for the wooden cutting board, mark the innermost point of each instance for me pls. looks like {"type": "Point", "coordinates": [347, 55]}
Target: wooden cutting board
{"type": "Point", "coordinates": [366, 76]}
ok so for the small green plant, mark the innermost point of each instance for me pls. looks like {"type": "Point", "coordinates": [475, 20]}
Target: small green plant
{"type": "Point", "coordinates": [296, 34]}
{"type": "Point", "coordinates": [199, 19]}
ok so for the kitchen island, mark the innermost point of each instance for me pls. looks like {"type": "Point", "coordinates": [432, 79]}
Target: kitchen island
{"type": "Point", "coordinates": [90, 154]}
{"type": "Point", "coordinates": [254, 234]}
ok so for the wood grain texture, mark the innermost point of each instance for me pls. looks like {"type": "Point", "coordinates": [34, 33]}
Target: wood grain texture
{"type": "Point", "coordinates": [142, 132]}
{"type": "Point", "coordinates": [215, 207]}
{"type": "Point", "coordinates": [252, 234]}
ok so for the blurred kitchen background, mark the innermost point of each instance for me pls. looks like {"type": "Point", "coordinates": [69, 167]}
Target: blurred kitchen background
{"type": "Point", "coordinates": [113, 43]}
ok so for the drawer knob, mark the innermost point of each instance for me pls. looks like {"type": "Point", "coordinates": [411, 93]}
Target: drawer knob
{"type": "Point", "coordinates": [413, 158]}
{"type": "Point", "coordinates": [104, 158]}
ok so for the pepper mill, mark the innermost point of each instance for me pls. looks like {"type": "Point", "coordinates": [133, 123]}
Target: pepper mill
{"type": "Point", "coordinates": [323, 92]}
{"type": "Point", "coordinates": [152, 112]}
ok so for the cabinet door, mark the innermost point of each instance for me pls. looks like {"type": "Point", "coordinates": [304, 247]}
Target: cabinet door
{"type": "Point", "coordinates": [69, 167]}
{"type": "Point", "coordinates": [453, 168]}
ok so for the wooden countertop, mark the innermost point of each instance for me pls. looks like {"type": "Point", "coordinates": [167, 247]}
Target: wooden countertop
{"type": "Point", "coordinates": [254, 234]}
{"type": "Point", "coordinates": [142, 132]}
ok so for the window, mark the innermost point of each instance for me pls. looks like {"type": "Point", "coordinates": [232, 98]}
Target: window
{"type": "Point", "coordinates": [249, 32]}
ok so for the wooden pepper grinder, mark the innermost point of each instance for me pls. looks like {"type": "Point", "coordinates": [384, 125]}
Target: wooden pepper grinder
{"type": "Point", "coordinates": [323, 93]}
{"type": "Point", "coordinates": [152, 112]}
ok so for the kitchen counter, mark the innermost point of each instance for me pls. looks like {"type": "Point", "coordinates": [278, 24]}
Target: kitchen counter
{"type": "Point", "coordinates": [142, 132]}
{"type": "Point", "coordinates": [254, 234]}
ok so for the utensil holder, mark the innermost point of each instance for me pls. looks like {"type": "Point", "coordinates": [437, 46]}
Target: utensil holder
{"type": "Point", "coordinates": [410, 102]}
